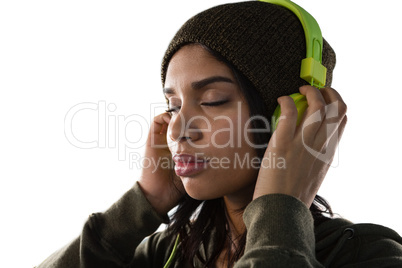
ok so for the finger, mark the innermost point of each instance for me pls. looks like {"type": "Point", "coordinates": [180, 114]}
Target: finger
{"type": "Point", "coordinates": [342, 126]}
{"type": "Point", "coordinates": [333, 140]}
{"type": "Point", "coordinates": [328, 151]}
{"type": "Point", "coordinates": [331, 95]}
{"type": "Point", "coordinates": [287, 121]}
{"type": "Point", "coordinates": [315, 99]}
{"type": "Point", "coordinates": [314, 115]}
{"type": "Point", "coordinates": [335, 112]}
{"type": "Point", "coordinates": [158, 130]}
{"type": "Point", "coordinates": [160, 122]}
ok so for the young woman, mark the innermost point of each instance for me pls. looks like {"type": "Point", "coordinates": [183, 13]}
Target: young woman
{"type": "Point", "coordinates": [244, 197]}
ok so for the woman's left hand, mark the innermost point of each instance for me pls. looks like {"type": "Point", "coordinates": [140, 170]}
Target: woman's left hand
{"type": "Point", "coordinates": [307, 150]}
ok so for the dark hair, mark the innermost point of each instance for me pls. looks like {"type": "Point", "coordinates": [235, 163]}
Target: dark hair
{"type": "Point", "coordinates": [204, 222]}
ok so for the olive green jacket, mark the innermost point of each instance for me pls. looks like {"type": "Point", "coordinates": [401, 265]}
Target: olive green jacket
{"type": "Point", "coordinates": [280, 233]}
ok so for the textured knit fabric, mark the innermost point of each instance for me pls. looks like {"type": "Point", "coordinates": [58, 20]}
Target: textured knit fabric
{"type": "Point", "coordinates": [265, 42]}
{"type": "Point", "coordinates": [280, 233]}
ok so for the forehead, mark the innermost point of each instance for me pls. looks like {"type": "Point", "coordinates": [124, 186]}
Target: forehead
{"type": "Point", "coordinates": [192, 63]}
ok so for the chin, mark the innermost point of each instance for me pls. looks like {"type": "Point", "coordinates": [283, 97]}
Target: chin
{"type": "Point", "coordinates": [202, 197]}
{"type": "Point", "coordinates": [200, 192]}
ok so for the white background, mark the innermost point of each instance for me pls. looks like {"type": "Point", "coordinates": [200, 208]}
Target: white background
{"type": "Point", "coordinates": [57, 54]}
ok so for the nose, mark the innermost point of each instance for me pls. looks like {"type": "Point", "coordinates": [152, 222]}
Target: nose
{"type": "Point", "coordinates": [185, 125]}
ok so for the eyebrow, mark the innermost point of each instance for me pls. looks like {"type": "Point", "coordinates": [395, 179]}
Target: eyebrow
{"type": "Point", "coordinates": [202, 83]}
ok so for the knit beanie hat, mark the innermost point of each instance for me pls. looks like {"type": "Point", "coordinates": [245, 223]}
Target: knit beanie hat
{"type": "Point", "coordinates": [265, 42]}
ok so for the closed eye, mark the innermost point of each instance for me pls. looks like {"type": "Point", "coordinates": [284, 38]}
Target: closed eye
{"type": "Point", "coordinates": [216, 103]}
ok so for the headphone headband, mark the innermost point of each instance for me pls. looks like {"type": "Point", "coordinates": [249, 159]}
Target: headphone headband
{"type": "Point", "coordinates": [311, 68]}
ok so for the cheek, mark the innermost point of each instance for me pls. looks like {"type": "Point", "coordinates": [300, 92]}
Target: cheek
{"type": "Point", "coordinates": [223, 136]}
{"type": "Point", "coordinates": [230, 129]}
{"type": "Point", "coordinates": [227, 132]}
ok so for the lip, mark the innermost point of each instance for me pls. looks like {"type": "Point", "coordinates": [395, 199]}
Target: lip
{"type": "Point", "coordinates": [187, 165]}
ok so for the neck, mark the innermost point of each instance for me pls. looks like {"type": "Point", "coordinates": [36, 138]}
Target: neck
{"type": "Point", "coordinates": [235, 205]}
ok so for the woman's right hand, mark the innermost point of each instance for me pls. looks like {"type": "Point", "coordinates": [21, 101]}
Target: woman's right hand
{"type": "Point", "coordinates": [158, 181]}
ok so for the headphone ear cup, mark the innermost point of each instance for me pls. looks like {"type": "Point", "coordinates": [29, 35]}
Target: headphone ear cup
{"type": "Point", "coordinates": [301, 106]}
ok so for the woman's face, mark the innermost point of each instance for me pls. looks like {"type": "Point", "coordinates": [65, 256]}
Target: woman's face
{"type": "Point", "coordinates": [207, 134]}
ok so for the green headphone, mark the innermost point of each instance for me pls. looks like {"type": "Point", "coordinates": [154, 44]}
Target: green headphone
{"type": "Point", "coordinates": [311, 70]}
